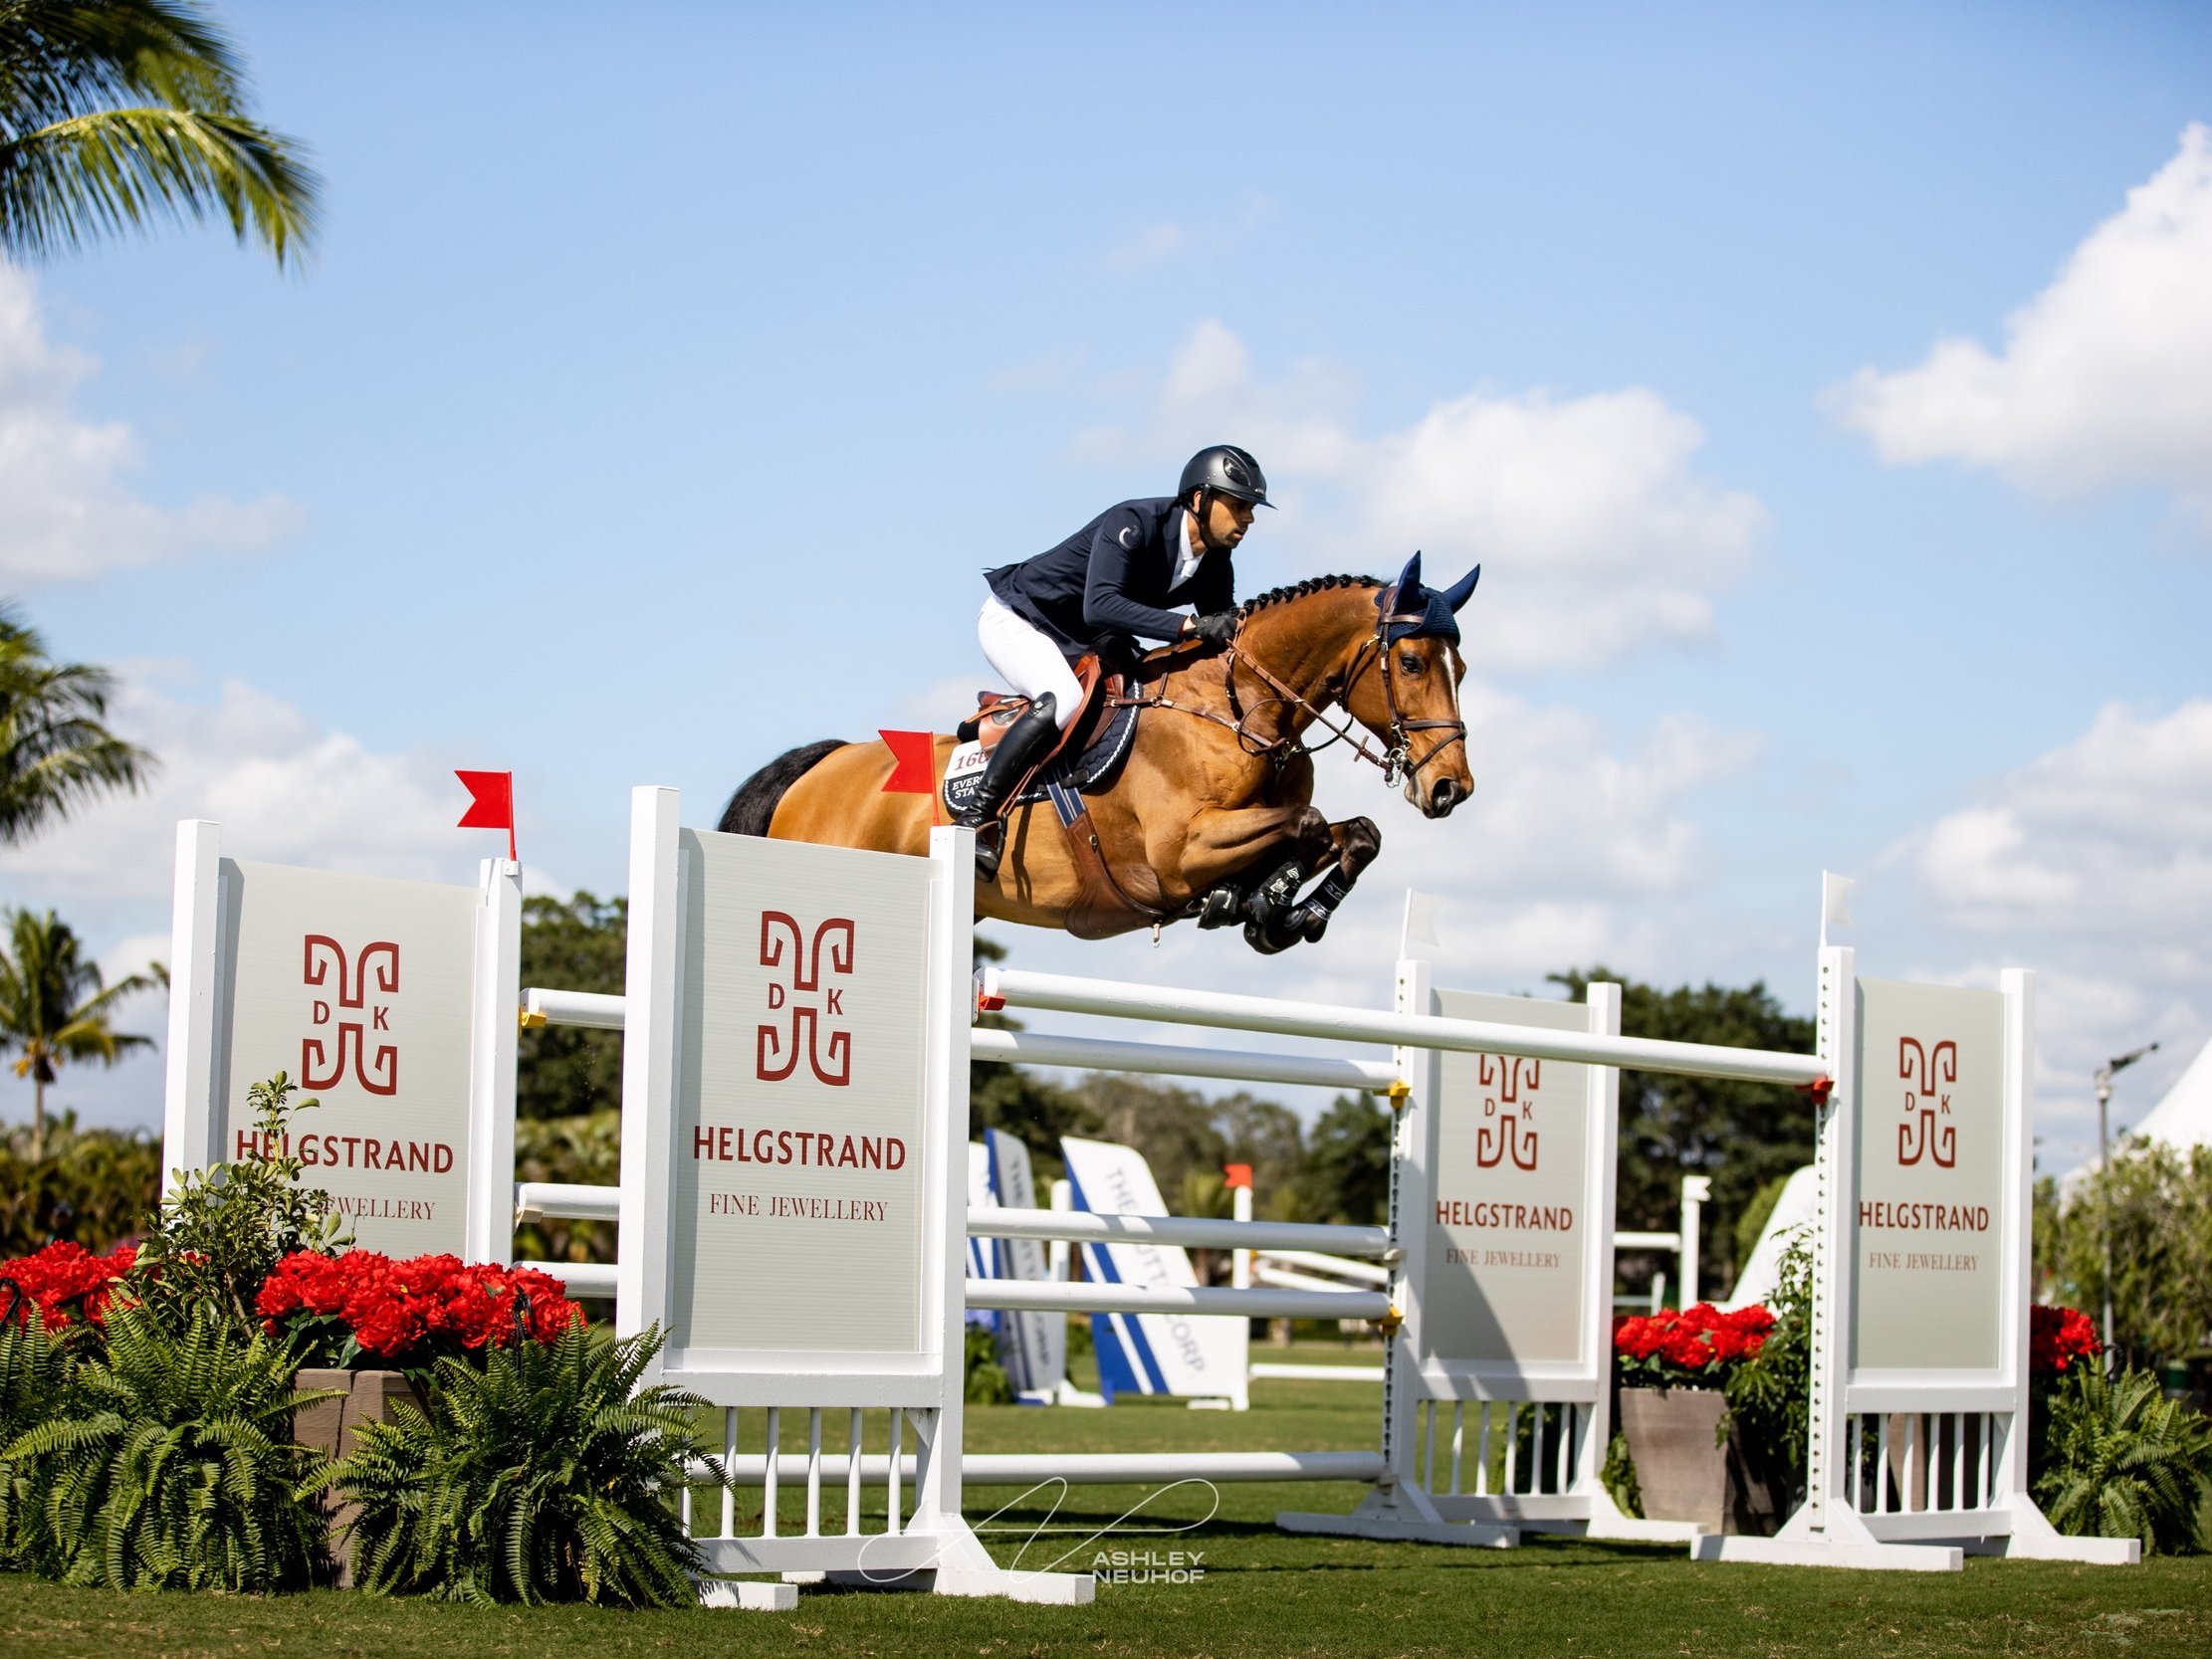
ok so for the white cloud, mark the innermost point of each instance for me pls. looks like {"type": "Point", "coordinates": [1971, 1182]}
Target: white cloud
{"type": "Point", "coordinates": [2110, 835]}
{"type": "Point", "coordinates": [1147, 247]}
{"type": "Point", "coordinates": [67, 511]}
{"type": "Point", "coordinates": [284, 789]}
{"type": "Point", "coordinates": [2104, 377]}
{"type": "Point", "coordinates": [2093, 864]}
{"type": "Point", "coordinates": [1597, 535]}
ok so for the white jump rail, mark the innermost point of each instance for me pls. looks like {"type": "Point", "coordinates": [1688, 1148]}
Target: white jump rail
{"type": "Point", "coordinates": [1068, 994]}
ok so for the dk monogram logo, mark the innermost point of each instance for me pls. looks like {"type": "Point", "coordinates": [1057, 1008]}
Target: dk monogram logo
{"type": "Point", "coordinates": [776, 1049]}
{"type": "Point", "coordinates": [1507, 1082]}
{"type": "Point", "coordinates": [325, 1065]}
{"type": "Point", "coordinates": [1934, 1070]}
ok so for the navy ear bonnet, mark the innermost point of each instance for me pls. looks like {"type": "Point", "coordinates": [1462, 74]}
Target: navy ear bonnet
{"type": "Point", "coordinates": [1424, 613]}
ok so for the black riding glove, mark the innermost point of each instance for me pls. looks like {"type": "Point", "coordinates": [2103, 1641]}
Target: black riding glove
{"type": "Point", "coordinates": [1218, 628]}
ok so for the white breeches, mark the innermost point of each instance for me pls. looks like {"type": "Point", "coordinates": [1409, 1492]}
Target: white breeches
{"type": "Point", "coordinates": [1029, 662]}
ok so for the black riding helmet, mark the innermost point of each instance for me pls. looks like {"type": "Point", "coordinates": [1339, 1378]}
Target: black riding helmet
{"type": "Point", "coordinates": [1223, 469]}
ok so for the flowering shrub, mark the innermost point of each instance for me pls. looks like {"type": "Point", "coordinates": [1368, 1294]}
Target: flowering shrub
{"type": "Point", "coordinates": [64, 1282]}
{"type": "Point", "coordinates": [1699, 1348]}
{"type": "Point", "coordinates": [363, 1303]}
{"type": "Point", "coordinates": [2056, 1338]}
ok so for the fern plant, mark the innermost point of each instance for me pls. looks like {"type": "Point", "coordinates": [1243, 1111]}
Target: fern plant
{"type": "Point", "coordinates": [547, 1476]}
{"type": "Point", "coordinates": [2120, 1460]}
{"type": "Point", "coordinates": [174, 1467]}
{"type": "Point", "coordinates": [36, 1376]}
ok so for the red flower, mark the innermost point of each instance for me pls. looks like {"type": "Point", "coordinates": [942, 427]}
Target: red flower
{"type": "Point", "coordinates": [66, 1276]}
{"type": "Point", "coordinates": [2056, 1338]}
{"type": "Point", "coordinates": [416, 1309]}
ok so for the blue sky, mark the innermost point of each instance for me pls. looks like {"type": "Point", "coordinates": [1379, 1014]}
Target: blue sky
{"type": "Point", "coordinates": [658, 392]}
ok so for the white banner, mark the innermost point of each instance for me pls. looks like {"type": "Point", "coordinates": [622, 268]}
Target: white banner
{"type": "Point", "coordinates": [1034, 1347]}
{"type": "Point", "coordinates": [1147, 1353]}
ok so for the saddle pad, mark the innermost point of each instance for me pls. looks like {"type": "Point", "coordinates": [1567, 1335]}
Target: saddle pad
{"type": "Point", "coordinates": [1095, 765]}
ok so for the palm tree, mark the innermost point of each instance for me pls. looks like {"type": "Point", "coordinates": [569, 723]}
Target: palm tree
{"type": "Point", "coordinates": [55, 1007]}
{"type": "Point", "coordinates": [117, 111]}
{"type": "Point", "coordinates": [55, 754]}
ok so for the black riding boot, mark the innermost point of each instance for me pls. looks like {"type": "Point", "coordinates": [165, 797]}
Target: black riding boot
{"type": "Point", "coordinates": [1029, 740]}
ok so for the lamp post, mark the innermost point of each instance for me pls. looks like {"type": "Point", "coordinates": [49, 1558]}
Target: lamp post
{"type": "Point", "coordinates": [2103, 1080]}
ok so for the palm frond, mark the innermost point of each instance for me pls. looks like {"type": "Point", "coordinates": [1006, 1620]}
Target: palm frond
{"type": "Point", "coordinates": [116, 169]}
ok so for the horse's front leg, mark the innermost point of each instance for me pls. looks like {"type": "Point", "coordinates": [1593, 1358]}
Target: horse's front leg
{"type": "Point", "coordinates": [1222, 847]}
{"type": "Point", "coordinates": [1355, 842]}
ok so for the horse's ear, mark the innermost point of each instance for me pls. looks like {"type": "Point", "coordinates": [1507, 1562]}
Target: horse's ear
{"type": "Point", "coordinates": [1409, 581]}
{"type": "Point", "coordinates": [1460, 591]}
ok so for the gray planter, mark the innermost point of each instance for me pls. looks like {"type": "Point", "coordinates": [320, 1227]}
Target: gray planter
{"type": "Point", "coordinates": [1684, 1468]}
{"type": "Point", "coordinates": [333, 1427]}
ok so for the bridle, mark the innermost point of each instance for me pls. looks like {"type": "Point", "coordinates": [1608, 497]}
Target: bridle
{"type": "Point", "coordinates": [1396, 761]}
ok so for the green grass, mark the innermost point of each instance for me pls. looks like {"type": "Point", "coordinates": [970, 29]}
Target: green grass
{"type": "Point", "coordinates": [1263, 1593]}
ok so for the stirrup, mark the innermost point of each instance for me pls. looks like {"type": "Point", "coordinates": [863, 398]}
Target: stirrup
{"type": "Point", "coordinates": [991, 848]}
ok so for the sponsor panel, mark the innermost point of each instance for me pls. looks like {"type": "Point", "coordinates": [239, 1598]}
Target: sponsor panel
{"type": "Point", "coordinates": [1504, 1281]}
{"type": "Point", "coordinates": [358, 988]}
{"type": "Point", "coordinates": [797, 1205]}
{"type": "Point", "coordinates": [1930, 1277]}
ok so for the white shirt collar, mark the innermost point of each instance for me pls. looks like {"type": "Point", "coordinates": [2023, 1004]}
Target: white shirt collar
{"type": "Point", "coordinates": [1187, 556]}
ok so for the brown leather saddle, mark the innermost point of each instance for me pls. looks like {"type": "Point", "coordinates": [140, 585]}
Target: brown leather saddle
{"type": "Point", "coordinates": [996, 711]}
{"type": "Point", "coordinates": [1091, 746]}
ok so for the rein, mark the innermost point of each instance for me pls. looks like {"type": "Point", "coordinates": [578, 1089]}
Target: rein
{"type": "Point", "coordinates": [1396, 762]}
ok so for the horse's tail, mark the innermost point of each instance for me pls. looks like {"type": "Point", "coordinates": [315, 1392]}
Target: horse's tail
{"type": "Point", "coordinates": [755, 803]}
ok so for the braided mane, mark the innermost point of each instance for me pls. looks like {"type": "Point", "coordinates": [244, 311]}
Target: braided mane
{"type": "Point", "coordinates": [1300, 590]}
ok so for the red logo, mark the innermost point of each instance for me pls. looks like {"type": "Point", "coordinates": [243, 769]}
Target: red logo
{"type": "Point", "coordinates": [1934, 1070]}
{"type": "Point", "coordinates": [1506, 1081]}
{"type": "Point", "coordinates": [831, 952]}
{"type": "Point", "coordinates": [325, 1065]}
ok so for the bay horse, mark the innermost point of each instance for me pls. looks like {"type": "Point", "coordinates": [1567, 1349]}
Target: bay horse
{"type": "Point", "coordinates": [1211, 815]}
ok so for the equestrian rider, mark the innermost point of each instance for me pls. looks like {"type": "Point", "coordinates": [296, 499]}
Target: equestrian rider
{"type": "Point", "coordinates": [1123, 573]}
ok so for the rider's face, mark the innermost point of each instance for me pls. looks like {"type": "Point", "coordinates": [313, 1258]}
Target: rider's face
{"type": "Point", "coordinates": [1227, 520]}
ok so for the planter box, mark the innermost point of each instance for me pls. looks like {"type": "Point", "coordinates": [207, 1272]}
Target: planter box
{"type": "Point", "coordinates": [333, 1427]}
{"type": "Point", "coordinates": [1684, 1469]}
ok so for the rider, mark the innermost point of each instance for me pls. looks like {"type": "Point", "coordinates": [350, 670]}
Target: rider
{"type": "Point", "coordinates": [1118, 576]}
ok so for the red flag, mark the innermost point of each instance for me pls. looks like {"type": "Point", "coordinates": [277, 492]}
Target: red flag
{"type": "Point", "coordinates": [913, 771]}
{"type": "Point", "coordinates": [491, 804]}
{"type": "Point", "coordinates": [1240, 1174]}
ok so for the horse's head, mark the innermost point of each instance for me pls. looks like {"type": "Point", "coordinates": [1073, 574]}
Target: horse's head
{"type": "Point", "coordinates": [1404, 687]}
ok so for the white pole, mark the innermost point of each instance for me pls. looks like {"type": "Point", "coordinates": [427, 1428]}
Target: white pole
{"type": "Point", "coordinates": [489, 1221]}
{"type": "Point", "coordinates": [1096, 1297]}
{"type": "Point", "coordinates": [1067, 994]}
{"type": "Point", "coordinates": [1192, 1232]}
{"type": "Point", "coordinates": [191, 1116]}
{"type": "Point", "coordinates": [1052, 1048]}
{"type": "Point", "coordinates": [1695, 1190]}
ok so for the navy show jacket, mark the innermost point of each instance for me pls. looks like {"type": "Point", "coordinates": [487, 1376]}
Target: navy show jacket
{"type": "Point", "coordinates": [1114, 577]}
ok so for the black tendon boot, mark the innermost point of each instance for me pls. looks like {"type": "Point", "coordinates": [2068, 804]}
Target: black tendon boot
{"type": "Point", "coordinates": [1029, 740]}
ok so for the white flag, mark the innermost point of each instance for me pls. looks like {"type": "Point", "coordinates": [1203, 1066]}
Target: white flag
{"type": "Point", "coordinates": [1421, 923]}
{"type": "Point", "coordinates": [1835, 901]}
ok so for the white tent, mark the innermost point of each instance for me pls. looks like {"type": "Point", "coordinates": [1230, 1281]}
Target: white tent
{"type": "Point", "coordinates": [1796, 1210]}
{"type": "Point", "coordinates": [2184, 1118]}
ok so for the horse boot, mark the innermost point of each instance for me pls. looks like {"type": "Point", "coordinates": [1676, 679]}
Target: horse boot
{"type": "Point", "coordinates": [1029, 740]}
{"type": "Point", "coordinates": [1273, 915]}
